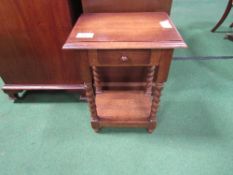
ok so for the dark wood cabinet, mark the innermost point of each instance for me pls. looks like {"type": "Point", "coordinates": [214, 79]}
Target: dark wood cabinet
{"type": "Point", "coordinates": [32, 33]}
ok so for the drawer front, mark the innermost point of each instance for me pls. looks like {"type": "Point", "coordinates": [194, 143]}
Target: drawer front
{"type": "Point", "coordinates": [123, 58]}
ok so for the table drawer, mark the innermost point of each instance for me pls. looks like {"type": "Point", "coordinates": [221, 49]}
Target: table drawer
{"type": "Point", "coordinates": [122, 58]}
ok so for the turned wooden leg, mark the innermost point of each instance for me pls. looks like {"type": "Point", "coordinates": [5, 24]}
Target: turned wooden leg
{"type": "Point", "coordinates": [149, 80]}
{"type": "Point", "coordinates": [157, 90]}
{"type": "Point", "coordinates": [97, 80]}
{"type": "Point", "coordinates": [13, 94]}
{"type": "Point", "coordinates": [227, 11]}
{"type": "Point", "coordinates": [82, 96]}
{"type": "Point", "coordinates": [91, 101]}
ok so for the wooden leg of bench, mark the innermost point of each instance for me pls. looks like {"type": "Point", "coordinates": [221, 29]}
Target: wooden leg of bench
{"type": "Point", "coordinates": [13, 94]}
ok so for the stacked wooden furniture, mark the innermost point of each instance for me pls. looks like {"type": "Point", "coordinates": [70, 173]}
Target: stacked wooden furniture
{"type": "Point", "coordinates": [145, 39]}
{"type": "Point", "coordinates": [31, 36]}
{"type": "Point", "coordinates": [32, 33]}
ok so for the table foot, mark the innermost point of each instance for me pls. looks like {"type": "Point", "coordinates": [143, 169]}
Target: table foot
{"type": "Point", "coordinates": [151, 127]}
{"type": "Point", "coordinates": [12, 94]}
{"type": "Point", "coordinates": [96, 126]}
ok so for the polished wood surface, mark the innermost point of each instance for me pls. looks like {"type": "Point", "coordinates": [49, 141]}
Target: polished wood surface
{"type": "Point", "coordinates": [121, 58]}
{"type": "Point", "coordinates": [32, 33]}
{"type": "Point", "coordinates": [123, 105]}
{"type": "Point", "coordinates": [117, 30]}
{"type": "Point", "coordinates": [109, 47]}
{"type": "Point", "coordinates": [117, 74]}
{"type": "Point", "coordinates": [101, 6]}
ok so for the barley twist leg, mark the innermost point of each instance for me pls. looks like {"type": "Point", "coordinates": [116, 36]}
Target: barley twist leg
{"type": "Point", "coordinates": [149, 80]}
{"type": "Point", "coordinates": [92, 105]}
{"type": "Point", "coordinates": [157, 91]}
{"type": "Point", "coordinates": [97, 79]}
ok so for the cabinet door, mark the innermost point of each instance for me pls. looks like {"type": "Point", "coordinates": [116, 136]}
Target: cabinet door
{"type": "Point", "coordinates": [32, 33]}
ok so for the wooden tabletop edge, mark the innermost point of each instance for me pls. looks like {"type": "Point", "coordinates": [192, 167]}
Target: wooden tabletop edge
{"type": "Point", "coordinates": [86, 46]}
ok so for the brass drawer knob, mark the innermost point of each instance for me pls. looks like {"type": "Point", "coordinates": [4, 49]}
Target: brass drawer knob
{"type": "Point", "coordinates": [124, 58]}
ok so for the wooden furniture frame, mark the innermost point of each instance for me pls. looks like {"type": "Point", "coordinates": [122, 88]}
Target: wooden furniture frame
{"type": "Point", "coordinates": [225, 14]}
{"type": "Point", "coordinates": [33, 32]}
{"type": "Point", "coordinates": [117, 74]}
{"type": "Point", "coordinates": [110, 6]}
{"type": "Point", "coordinates": [115, 42]}
{"type": "Point", "coordinates": [31, 37]}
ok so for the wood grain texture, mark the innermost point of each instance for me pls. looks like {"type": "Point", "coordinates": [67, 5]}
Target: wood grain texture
{"type": "Point", "coordinates": [91, 6]}
{"type": "Point", "coordinates": [157, 90]}
{"type": "Point", "coordinates": [125, 108]}
{"type": "Point", "coordinates": [164, 65]}
{"type": "Point", "coordinates": [97, 79]}
{"type": "Point", "coordinates": [123, 105]}
{"type": "Point", "coordinates": [118, 31]}
{"type": "Point", "coordinates": [122, 58]}
{"type": "Point", "coordinates": [156, 94]}
{"type": "Point", "coordinates": [32, 33]}
{"type": "Point", "coordinates": [119, 74]}
{"type": "Point", "coordinates": [91, 100]}
{"type": "Point", "coordinates": [149, 80]}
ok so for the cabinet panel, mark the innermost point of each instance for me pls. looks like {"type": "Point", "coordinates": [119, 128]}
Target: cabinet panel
{"type": "Point", "coordinates": [96, 6]}
{"type": "Point", "coordinates": [32, 33]}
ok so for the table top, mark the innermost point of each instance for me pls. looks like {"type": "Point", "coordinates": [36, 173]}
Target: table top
{"type": "Point", "coordinates": [147, 30]}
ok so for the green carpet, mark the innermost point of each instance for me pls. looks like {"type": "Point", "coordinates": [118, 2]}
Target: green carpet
{"type": "Point", "coordinates": [49, 133]}
{"type": "Point", "coordinates": [194, 19]}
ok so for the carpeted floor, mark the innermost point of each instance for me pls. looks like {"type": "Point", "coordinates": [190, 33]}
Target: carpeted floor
{"type": "Point", "coordinates": [195, 19]}
{"type": "Point", "coordinates": [48, 133]}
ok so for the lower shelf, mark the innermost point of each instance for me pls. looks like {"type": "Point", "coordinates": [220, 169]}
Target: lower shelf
{"type": "Point", "coordinates": [123, 106]}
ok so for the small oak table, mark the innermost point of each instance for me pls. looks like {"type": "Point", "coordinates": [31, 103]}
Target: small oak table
{"type": "Point", "coordinates": [124, 40]}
